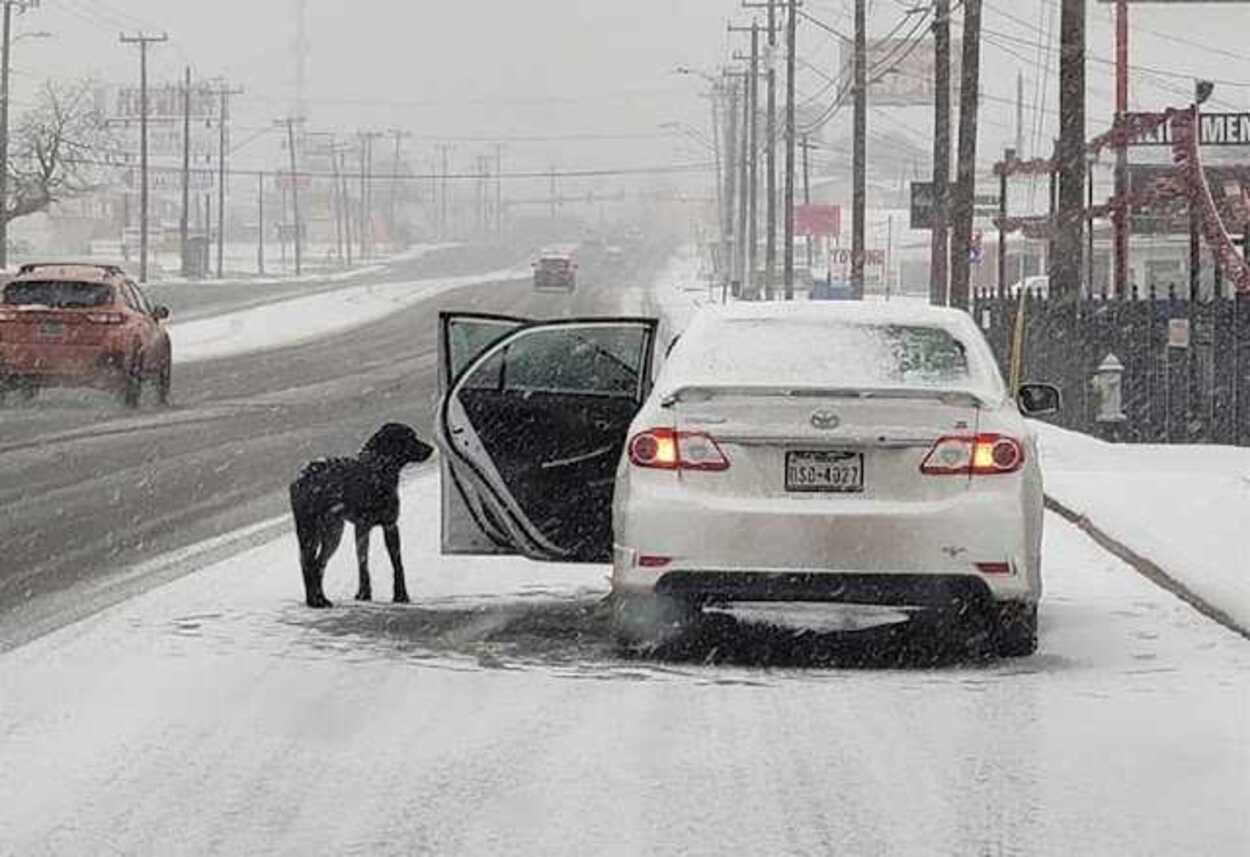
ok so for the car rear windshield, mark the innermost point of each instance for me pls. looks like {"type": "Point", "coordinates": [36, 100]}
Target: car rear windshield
{"type": "Point", "coordinates": [554, 264]}
{"type": "Point", "coordinates": [828, 354]}
{"type": "Point", "coordinates": [60, 294]}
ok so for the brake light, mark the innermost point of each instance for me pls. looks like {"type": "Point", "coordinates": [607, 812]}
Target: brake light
{"type": "Point", "coordinates": [106, 317]}
{"type": "Point", "coordinates": [973, 455]}
{"type": "Point", "coordinates": [668, 449]}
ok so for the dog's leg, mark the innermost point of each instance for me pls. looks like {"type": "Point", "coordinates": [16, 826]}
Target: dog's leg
{"type": "Point", "coordinates": [365, 590]}
{"type": "Point", "coordinates": [391, 533]}
{"type": "Point", "coordinates": [307, 558]}
{"type": "Point", "coordinates": [331, 535]}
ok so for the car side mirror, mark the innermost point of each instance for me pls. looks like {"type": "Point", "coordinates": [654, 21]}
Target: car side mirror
{"type": "Point", "coordinates": [1039, 400]}
{"type": "Point", "coordinates": [160, 312]}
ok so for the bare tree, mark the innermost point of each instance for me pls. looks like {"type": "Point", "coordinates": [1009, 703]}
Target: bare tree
{"type": "Point", "coordinates": [57, 150]}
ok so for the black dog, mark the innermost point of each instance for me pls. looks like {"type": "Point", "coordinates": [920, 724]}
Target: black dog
{"type": "Point", "coordinates": [363, 490]}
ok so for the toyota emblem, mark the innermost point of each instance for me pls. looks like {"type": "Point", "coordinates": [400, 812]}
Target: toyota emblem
{"type": "Point", "coordinates": [825, 420]}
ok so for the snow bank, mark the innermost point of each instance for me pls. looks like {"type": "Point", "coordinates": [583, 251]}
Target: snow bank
{"type": "Point", "coordinates": [1182, 507]}
{"type": "Point", "coordinates": [290, 322]}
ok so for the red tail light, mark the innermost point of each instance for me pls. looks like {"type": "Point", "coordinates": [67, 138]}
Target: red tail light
{"type": "Point", "coordinates": [668, 449]}
{"type": "Point", "coordinates": [973, 455]}
{"type": "Point", "coordinates": [106, 317]}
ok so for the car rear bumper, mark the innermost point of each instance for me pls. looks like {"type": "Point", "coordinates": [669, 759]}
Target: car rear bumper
{"type": "Point", "coordinates": [62, 367]}
{"type": "Point", "coordinates": [896, 590]}
{"type": "Point", "coordinates": [861, 551]}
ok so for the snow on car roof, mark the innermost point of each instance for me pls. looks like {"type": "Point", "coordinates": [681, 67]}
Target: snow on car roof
{"type": "Point", "coordinates": [834, 344]}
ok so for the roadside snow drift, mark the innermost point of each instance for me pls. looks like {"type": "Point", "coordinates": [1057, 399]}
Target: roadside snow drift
{"type": "Point", "coordinates": [1185, 508]}
{"type": "Point", "coordinates": [296, 320]}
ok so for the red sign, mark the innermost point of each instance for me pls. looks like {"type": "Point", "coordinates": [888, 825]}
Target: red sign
{"type": "Point", "coordinates": [818, 220]}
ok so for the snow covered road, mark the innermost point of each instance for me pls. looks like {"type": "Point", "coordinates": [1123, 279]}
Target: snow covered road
{"type": "Point", "coordinates": [217, 715]}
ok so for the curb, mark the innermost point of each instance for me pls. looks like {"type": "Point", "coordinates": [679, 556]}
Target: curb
{"type": "Point", "coordinates": [1148, 569]}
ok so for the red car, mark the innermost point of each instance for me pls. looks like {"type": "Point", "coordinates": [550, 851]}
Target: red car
{"type": "Point", "coordinates": [80, 325]}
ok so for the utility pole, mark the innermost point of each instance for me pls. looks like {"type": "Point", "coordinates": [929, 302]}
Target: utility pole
{"type": "Point", "coordinates": [224, 92]}
{"type": "Point", "coordinates": [290, 123]}
{"type": "Point", "coordinates": [732, 247]}
{"type": "Point", "coordinates": [747, 181]}
{"type": "Point", "coordinates": [715, 95]}
{"type": "Point", "coordinates": [1065, 266]}
{"type": "Point", "coordinates": [939, 252]}
{"type": "Point", "coordinates": [1121, 214]}
{"type": "Point", "coordinates": [184, 221]}
{"type": "Point", "coordinates": [5, 48]}
{"type": "Point", "coordinates": [499, 190]}
{"type": "Point", "coordinates": [363, 220]}
{"type": "Point", "coordinates": [260, 224]}
{"type": "Point", "coordinates": [770, 213]}
{"type": "Point", "coordinates": [142, 41]}
{"type": "Point", "coordinates": [553, 193]}
{"type": "Point", "coordinates": [392, 207]}
{"type": "Point", "coordinates": [963, 202]}
{"type": "Point", "coordinates": [859, 157]}
{"type": "Point", "coordinates": [345, 202]}
{"type": "Point", "coordinates": [442, 216]}
{"type": "Point", "coordinates": [753, 222]}
{"type": "Point", "coordinates": [788, 233]}
{"type": "Point", "coordinates": [807, 192]}
{"type": "Point", "coordinates": [1020, 114]}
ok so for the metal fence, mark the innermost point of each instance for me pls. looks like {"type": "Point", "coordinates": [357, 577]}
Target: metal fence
{"type": "Point", "coordinates": [1185, 364]}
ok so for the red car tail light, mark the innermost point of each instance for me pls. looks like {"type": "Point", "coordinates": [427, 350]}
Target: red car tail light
{"type": "Point", "coordinates": [669, 449]}
{"type": "Point", "coordinates": [973, 455]}
{"type": "Point", "coordinates": [106, 318]}
{"type": "Point", "coordinates": [994, 567]}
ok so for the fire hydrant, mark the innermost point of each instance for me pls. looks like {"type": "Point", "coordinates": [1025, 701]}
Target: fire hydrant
{"type": "Point", "coordinates": [1108, 384]}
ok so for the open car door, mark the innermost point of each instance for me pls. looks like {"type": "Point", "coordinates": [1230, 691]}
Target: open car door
{"type": "Point", "coordinates": [531, 428]}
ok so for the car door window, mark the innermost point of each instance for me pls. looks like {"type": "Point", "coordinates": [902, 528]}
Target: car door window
{"type": "Point", "coordinates": [595, 361]}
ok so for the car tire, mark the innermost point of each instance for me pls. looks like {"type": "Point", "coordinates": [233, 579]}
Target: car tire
{"type": "Point", "coordinates": [647, 621]}
{"type": "Point", "coordinates": [1013, 629]}
{"type": "Point", "coordinates": [164, 382]}
{"type": "Point", "coordinates": [28, 392]}
{"type": "Point", "coordinates": [132, 386]}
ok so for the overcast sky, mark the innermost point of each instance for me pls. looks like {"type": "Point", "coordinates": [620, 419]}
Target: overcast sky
{"type": "Point", "coordinates": [596, 73]}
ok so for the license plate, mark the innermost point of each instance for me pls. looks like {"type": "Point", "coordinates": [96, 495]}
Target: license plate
{"type": "Point", "coordinates": [51, 329]}
{"type": "Point", "coordinates": [833, 472]}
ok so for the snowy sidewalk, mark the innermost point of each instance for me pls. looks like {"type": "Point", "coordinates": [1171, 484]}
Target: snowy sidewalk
{"type": "Point", "coordinates": [1180, 508]}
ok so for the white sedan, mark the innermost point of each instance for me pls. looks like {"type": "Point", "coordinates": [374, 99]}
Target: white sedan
{"type": "Point", "coordinates": [853, 453]}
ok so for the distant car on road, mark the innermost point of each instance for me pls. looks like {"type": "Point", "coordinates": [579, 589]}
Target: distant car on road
{"type": "Point", "coordinates": [555, 271]}
{"type": "Point", "coordinates": [81, 325]}
{"type": "Point", "coordinates": [838, 452]}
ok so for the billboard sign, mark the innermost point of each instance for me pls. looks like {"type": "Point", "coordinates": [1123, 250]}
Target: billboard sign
{"type": "Point", "coordinates": [1215, 129]}
{"type": "Point", "coordinates": [818, 220]}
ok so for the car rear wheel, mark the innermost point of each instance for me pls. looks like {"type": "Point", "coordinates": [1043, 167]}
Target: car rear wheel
{"type": "Point", "coordinates": [132, 388]}
{"type": "Point", "coordinates": [647, 621]}
{"type": "Point", "coordinates": [1013, 629]}
{"type": "Point", "coordinates": [164, 381]}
